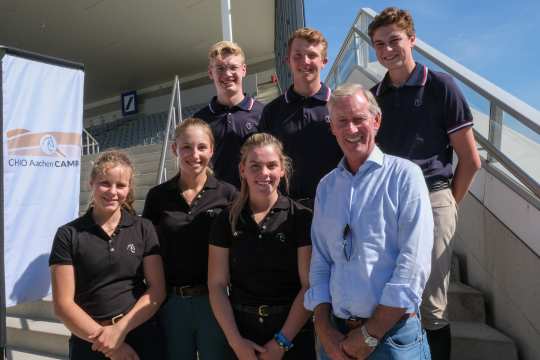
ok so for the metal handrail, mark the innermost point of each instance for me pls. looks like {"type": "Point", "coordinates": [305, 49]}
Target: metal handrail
{"type": "Point", "coordinates": [91, 146]}
{"type": "Point", "coordinates": [498, 99]}
{"type": "Point", "coordinates": [508, 164]}
{"type": "Point", "coordinates": [171, 123]}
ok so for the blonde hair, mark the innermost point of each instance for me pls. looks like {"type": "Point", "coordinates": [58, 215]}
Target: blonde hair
{"type": "Point", "coordinates": [256, 141]}
{"type": "Point", "coordinates": [349, 89]}
{"type": "Point", "coordinates": [195, 122]}
{"type": "Point", "coordinates": [224, 48]}
{"type": "Point", "coordinates": [312, 36]}
{"type": "Point", "coordinates": [106, 161]}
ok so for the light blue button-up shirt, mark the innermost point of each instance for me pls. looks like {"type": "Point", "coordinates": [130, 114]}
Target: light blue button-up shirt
{"type": "Point", "coordinates": [386, 205]}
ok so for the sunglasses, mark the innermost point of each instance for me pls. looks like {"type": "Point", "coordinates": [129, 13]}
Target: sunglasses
{"type": "Point", "coordinates": [347, 245]}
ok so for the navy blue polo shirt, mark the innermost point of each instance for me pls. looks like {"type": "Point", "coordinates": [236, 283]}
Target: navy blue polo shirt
{"type": "Point", "coordinates": [302, 124]}
{"type": "Point", "coordinates": [418, 117]}
{"type": "Point", "coordinates": [230, 126]}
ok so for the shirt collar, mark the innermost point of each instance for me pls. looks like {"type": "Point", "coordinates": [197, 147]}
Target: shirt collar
{"type": "Point", "coordinates": [172, 184]}
{"type": "Point", "coordinates": [322, 95]}
{"type": "Point", "coordinates": [376, 157]}
{"type": "Point", "coordinates": [246, 105]}
{"type": "Point", "coordinates": [282, 203]}
{"type": "Point", "coordinates": [417, 78]}
{"type": "Point", "coordinates": [126, 219]}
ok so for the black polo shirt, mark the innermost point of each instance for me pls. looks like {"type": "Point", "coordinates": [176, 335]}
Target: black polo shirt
{"type": "Point", "coordinates": [183, 230]}
{"type": "Point", "coordinates": [303, 126]}
{"type": "Point", "coordinates": [109, 274]}
{"type": "Point", "coordinates": [418, 117]}
{"type": "Point", "coordinates": [231, 127]}
{"type": "Point", "coordinates": [263, 258]}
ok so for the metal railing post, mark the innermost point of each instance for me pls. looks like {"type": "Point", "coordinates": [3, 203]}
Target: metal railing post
{"type": "Point", "coordinates": [171, 122]}
{"type": "Point", "coordinates": [495, 128]}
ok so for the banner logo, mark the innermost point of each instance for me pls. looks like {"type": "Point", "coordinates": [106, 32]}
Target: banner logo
{"type": "Point", "coordinates": [22, 142]}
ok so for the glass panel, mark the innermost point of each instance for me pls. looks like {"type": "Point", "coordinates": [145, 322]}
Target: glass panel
{"type": "Point", "coordinates": [348, 61]}
{"type": "Point", "coordinates": [521, 145]}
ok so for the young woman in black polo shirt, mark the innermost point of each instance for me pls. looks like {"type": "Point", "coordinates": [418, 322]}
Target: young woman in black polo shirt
{"type": "Point", "coordinates": [107, 274]}
{"type": "Point", "coordinates": [261, 250]}
{"type": "Point", "coordinates": [182, 209]}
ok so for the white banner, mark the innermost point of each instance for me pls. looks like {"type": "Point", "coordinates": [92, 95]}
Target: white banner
{"type": "Point", "coordinates": [42, 125]}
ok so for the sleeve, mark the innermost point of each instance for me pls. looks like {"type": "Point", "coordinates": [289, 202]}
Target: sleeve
{"type": "Point", "coordinates": [220, 233]}
{"type": "Point", "coordinates": [232, 193]}
{"type": "Point", "coordinates": [61, 252]}
{"type": "Point", "coordinates": [414, 242]}
{"type": "Point", "coordinates": [319, 271]}
{"type": "Point", "coordinates": [151, 243]}
{"type": "Point", "coordinates": [150, 210]}
{"type": "Point", "coordinates": [303, 218]}
{"type": "Point", "coordinates": [457, 112]}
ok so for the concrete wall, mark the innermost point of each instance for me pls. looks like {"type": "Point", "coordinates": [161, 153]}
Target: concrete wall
{"type": "Point", "coordinates": [501, 264]}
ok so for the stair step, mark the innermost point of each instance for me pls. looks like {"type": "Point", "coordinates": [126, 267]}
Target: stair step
{"type": "Point", "coordinates": [132, 151]}
{"type": "Point", "coordinates": [465, 303]}
{"type": "Point", "coordinates": [39, 310]}
{"type": "Point", "coordinates": [477, 341]}
{"type": "Point", "coordinates": [37, 336]}
{"type": "Point", "coordinates": [22, 354]}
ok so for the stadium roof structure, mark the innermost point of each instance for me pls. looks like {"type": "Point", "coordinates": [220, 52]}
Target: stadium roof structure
{"type": "Point", "coordinates": [133, 44]}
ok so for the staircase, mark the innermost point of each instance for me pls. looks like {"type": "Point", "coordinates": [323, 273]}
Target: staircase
{"type": "Point", "coordinates": [33, 331]}
{"type": "Point", "coordinates": [472, 338]}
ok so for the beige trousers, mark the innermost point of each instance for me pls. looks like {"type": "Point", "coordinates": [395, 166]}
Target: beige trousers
{"type": "Point", "coordinates": [434, 301]}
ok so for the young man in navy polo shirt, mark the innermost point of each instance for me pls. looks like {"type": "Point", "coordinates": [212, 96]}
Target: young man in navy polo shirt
{"type": "Point", "coordinates": [424, 118]}
{"type": "Point", "coordinates": [232, 115]}
{"type": "Point", "coordinates": [299, 118]}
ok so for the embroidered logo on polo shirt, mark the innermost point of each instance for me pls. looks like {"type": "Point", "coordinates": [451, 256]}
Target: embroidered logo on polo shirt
{"type": "Point", "coordinates": [327, 118]}
{"type": "Point", "coordinates": [250, 125]}
{"type": "Point", "coordinates": [281, 237]}
{"type": "Point", "coordinates": [418, 102]}
{"type": "Point", "coordinates": [131, 248]}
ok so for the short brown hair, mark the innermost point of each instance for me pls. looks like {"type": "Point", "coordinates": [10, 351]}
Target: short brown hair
{"type": "Point", "coordinates": [312, 36]}
{"type": "Point", "coordinates": [390, 16]}
{"type": "Point", "coordinates": [224, 48]}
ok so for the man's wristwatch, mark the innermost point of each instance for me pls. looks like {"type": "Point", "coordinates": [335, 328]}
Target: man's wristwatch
{"type": "Point", "coordinates": [370, 341]}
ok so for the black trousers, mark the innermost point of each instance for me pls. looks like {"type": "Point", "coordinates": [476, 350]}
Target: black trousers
{"type": "Point", "coordinates": [259, 332]}
{"type": "Point", "coordinates": [146, 340]}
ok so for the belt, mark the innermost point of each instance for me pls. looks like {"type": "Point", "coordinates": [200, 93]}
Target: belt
{"type": "Point", "coordinates": [438, 184]}
{"type": "Point", "coordinates": [262, 310]}
{"type": "Point", "coordinates": [188, 291]}
{"type": "Point", "coordinates": [111, 321]}
{"type": "Point", "coordinates": [354, 321]}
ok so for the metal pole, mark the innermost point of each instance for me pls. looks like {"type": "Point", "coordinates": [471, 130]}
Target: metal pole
{"type": "Point", "coordinates": [226, 20]}
{"type": "Point", "coordinates": [2, 272]}
{"type": "Point", "coordinates": [495, 128]}
{"type": "Point", "coordinates": [159, 176]}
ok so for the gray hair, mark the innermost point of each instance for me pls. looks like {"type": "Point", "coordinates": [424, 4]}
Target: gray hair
{"type": "Point", "coordinates": [349, 89]}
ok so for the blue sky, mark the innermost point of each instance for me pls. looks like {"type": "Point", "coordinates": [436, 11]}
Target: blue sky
{"type": "Point", "coordinates": [497, 39]}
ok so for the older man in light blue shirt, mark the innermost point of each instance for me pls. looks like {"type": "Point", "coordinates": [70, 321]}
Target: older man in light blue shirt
{"type": "Point", "coordinates": [372, 237]}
